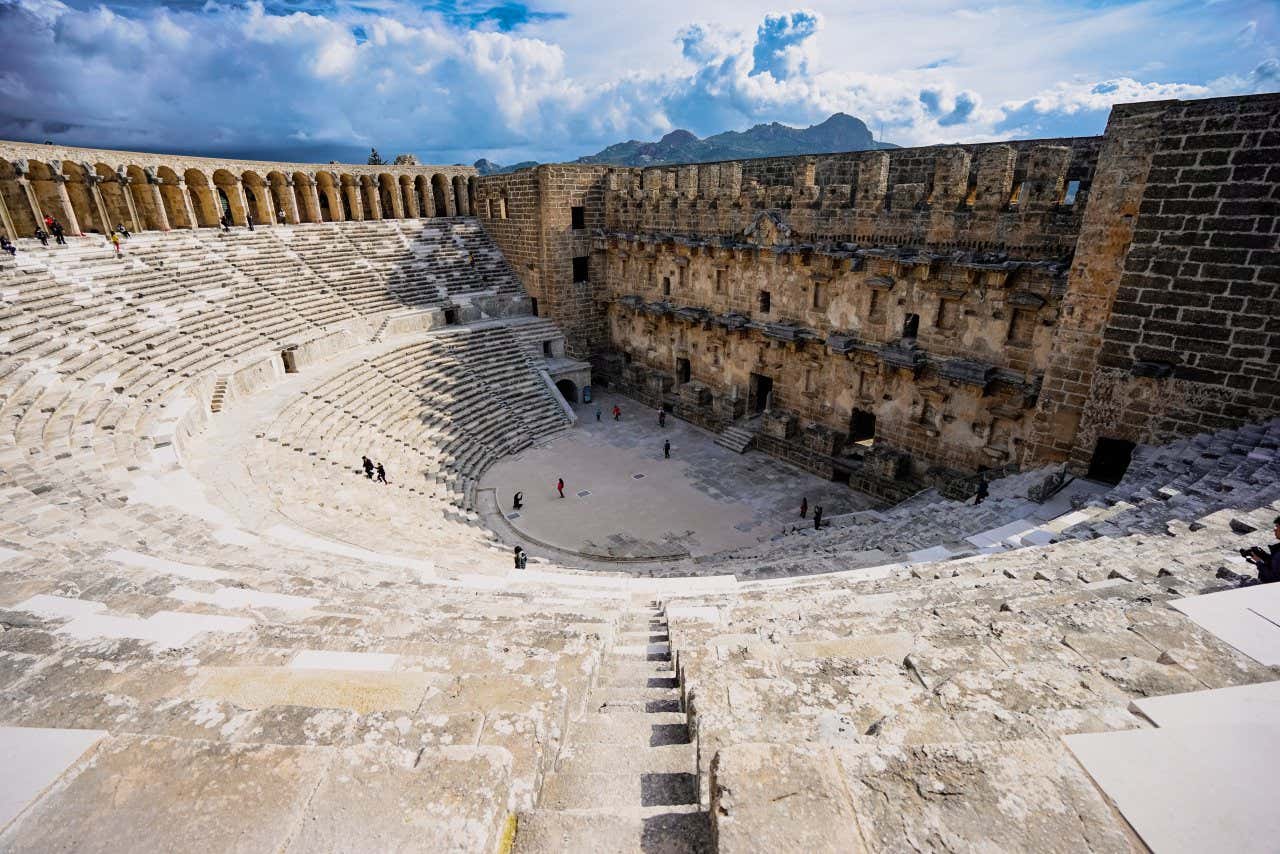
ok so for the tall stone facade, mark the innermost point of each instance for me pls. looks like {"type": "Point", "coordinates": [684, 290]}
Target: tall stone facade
{"type": "Point", "coordinates": [909, 316]}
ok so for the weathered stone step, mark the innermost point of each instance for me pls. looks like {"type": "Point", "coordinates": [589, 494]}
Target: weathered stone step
{"type": "Point", "coordinates": [662, 833]}
{"type": "Point", "coordinates": [624, 726]}
{"type": "Point", "coordinates": [626, 760]}
{"type": "Point", "coordinates": [640, 676]}
{"type": "Point", "coordinates": [614, 695]}
{"type": "Point", "coordinates": [608, 791]}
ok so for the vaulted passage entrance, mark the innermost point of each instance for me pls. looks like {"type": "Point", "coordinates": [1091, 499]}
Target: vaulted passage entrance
{"type": "Point", "coordinates": [758, 393]}
{"type": "Point", "coordinates": [1110, 460]}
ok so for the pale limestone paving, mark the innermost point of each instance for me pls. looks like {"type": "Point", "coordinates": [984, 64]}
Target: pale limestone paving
{"type": "Point", "coordinates": [217, 633]}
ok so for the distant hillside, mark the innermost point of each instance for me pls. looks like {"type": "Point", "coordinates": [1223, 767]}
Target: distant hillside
{"type": "Point", "coordinates": [488, 167]}
{"type": "Point", "coordinates": [840, 132]}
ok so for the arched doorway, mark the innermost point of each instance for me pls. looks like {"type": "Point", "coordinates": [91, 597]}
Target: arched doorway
{"type": "Point", "coordinates": [460, 196]}
{"type": "Point", "coordinates": [440, 192]}
{"type": "Point", "coordinates": [203, 201]}
{"type": "Point", "coordinates": [568, 390]}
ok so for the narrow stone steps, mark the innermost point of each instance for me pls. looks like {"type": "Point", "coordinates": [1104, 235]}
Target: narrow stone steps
{"type": "Point", "coordinates": [626, 779]}
{"type": "Point", "coordinates": [662, 833]}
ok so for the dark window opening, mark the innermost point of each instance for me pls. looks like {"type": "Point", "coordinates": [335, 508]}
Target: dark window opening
{"type": "Point", "coordinates": [819, 298]}
{"type": "Point", "coordinates": [533, 305]}
{"type": "Point", "coordinates": [580, 269]}
{"type": "Point", "coordinates": [1110, 460]}
{"type": "Point", "coordinates": [720, 277]}
{"type": "Point", "coordinates": [759, 393]}
{"type": "Point", "coordinates": [683, 373]}
{"type": "Point", "coordinates": [666, 286]}
{"type": "Point", "coordinates": [578, 217]}
{"type": "Point", "coordinates": [1069, 196]}
{"type": "Point", "coordinates": [876, 309]}
{"type": "Point", "coordinates": [546, 349]}
{"type": "Point", "coordinates": [764, 302]}
{"type": "Point", "coordinates": [862, 427]}
{"type": "Point", "coordinates": [911, 327]}
{"type": "Point", "coordinates": [450, 317]}
{"type": "Point", "coordinates": [289, 357]}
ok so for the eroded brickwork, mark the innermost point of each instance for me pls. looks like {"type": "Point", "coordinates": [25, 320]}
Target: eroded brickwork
{"type": "Point", "coordinates": [967, 306]}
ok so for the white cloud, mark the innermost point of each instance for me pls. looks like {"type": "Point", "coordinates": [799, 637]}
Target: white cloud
{"type": "Point", "coordinates": [295, 83]}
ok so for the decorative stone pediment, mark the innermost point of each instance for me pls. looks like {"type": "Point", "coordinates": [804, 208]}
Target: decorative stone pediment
{"type": "Point", "coordinates": [768, 229]}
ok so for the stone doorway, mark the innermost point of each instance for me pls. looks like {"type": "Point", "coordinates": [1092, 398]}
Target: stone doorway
{"type": "Point", "coordinates": [758, 393]}
{"type": "Point", "coordinates": [568, 389]}
{"type": "Point", "coordinates": [1110, 460]}
{"type": "Point", "coordinates": [862, 427]}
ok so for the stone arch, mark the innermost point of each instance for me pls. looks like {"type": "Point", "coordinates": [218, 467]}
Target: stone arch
{"type": "Point", "coordinates": [389, 202]}
{"type": "Point", "coordinates": [460, 196]}
{"type": "Point", "coordinates": [305, 198]}
{"type": "Point", "coordinates": [473, 190]}
{"type": "Point", "coordinates": [229, 193]}
{"type": "Point", "coordinates": [329, 197]}
{"type": "Point", "coordinates": [568, 390]}
{"type": "Point", "coordinates": [441, 194]}
{"type": "Point", "coordinates": [80, 192]}
{"type": "Point", "coordinates": [352, 203]}
{"type": "Point", "coordinates": [203, 201]}
{"type": "Point", "coordinates": [257, 200]}
{"type": "Point", "coordinates": [280, 198]}
{"type": "Point", "coordinates": [49, 191]}
{"type": "Point", "coordinates": [146, 201]}
{"type": "Point", "coordinates": [175, 196]}
{"type": "Point", "coordinates": [111, 194]}
{"type": "Point", "coordinates": [20, 217]}
{"type": "Point", "coordinates": [422, 189]}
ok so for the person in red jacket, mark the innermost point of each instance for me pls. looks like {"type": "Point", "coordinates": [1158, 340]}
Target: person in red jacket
{"type": "Point", "coordinates": [560, 487]}
{"type": "Point", "coordinates": [617, 412]}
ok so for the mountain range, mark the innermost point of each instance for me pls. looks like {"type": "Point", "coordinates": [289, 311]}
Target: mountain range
{"type": "Point", "coordinates": [840, 132]}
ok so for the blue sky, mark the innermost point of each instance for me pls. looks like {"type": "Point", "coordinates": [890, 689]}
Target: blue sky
{"type": "Point", "coordinates": [454, 80]}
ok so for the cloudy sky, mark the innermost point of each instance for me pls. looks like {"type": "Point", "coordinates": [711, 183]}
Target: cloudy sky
{"type": "Point", "coordinates": [454, 80]}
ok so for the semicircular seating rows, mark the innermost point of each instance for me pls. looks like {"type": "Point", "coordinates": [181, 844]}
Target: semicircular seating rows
{"type": "Point", "coordinates": [214, 622]}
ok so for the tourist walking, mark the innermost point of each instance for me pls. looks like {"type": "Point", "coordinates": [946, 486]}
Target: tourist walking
{"type": "Point", "coordinates": [368, 467]}
{"type": "Point", "coordinates": [42, 236]}
{"type": "Point", "coordinates": [666, 449]}
{"type": "Point", "coordinates": [560, 486]}
{"type": "Point", "coordinates": [115, 241]}
{"type": "Point", "coordinates": [248, 218]}
{"type": "Point", "coordinates": [804, 507]}
{"type": "Point", "coordinates": [382, 474]}
{"type": "Point", "coordinates": [226, 221]}
{"type": "Point", "coordinates": [597, 412]}
{"type": "Point", "coordinates": [58, 234]}
{"type": "Point", "coordinates": [817, 517]}
{"type": "Point", "coordinates": [617, 412]}
{"type": "Point", "coordinates": [520, 558]}
{"type": "Point", "coordinates": [517, 501]}
{"type": "Point", "coordinates": [662, 418]}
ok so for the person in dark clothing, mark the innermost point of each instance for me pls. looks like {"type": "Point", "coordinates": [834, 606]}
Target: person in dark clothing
{"type": "Point", "coordinates": [1266, 560]}
{"type": "Point", "coordinates": [249, 219]}
{"type": "Point", "coordinates": [519, 558]}
{"type": "Point", "coordinates": [982, 493]}
{"type": "Point", "coordinates": [6, 246]}
{"type": "Point", "coordinates": [617, 412]}
{"type": "Point", "coordinates": [560, 486]}
{"type": "Point", "coordinates": [517, 501]}
{"type": "Point", "coordinates": [804, 507]}
{"type": "Point", "coordinates": [368, 467]}
{"type": "Point", "coordinates": [666, 449]}
{"type": "Point", "coordinates": [817, 517]}
{"type": "Point", "coordinates": [225, 222]}
{"type": "Point", "coordinates": [597, 412]}
{"type": "Point", "coordinates": [122, 231]}
{"type": "Point", "coordinates": [382, 474]}
{"type": "Point", "coordinates": [42, 236]}
{"type": "Point", "coordinates": [662, 418]}
{"type": "Point", "coordinates": [58, 233]}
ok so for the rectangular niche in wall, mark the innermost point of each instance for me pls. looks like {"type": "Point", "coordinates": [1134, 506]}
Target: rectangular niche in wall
{"type": "Point", "coordinates": [577, 217]}
{"type": "Point", "coordinates": [580, 269]}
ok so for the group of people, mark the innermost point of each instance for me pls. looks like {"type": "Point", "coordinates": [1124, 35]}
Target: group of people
{"type": "Point", "coordinates": [370, 469]}
{"type": "Point", "coordinates": [817, 512]}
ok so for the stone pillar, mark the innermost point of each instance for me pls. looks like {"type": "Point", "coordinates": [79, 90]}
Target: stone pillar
{"type": "Point", "coordinates": [6, 220]}
{"type": "Point", "coordinates": [73, 224]}
{"type": "Point", "coordinates": [186, 203]}
{"type": "Point", "coordinates": [314, 189]}
{"type": "Point", "coordinates": [291, 203]}
{"type": "Point", "coordinates": [371, 190]}
{"type": "Point", "coordinates": [397, 201]}
{"type": "Point", "coordinates": [125, 183]}
{"type": "Point", "coordinates": [30, 193]}
{"type": "Point", "coordinates": [157, 199]}
{"type": "Point", "coordinates": [99, 204]}
{"type": "Point", "coordinates": [355, 201]}
{"type": "Point", "coordinates": [238, 189]}
{"type": "Point", "coordinates": [269, 215]}
{"type": "Point", "coordinates": [411, 200]}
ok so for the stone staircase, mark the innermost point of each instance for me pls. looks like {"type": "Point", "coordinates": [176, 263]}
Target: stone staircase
{"type": "Point", "coordinates": [738, 436]}
{"type": "Point", "coordinates": [219, 394]}
{"type": "Point", "coordinates": [625, 780]}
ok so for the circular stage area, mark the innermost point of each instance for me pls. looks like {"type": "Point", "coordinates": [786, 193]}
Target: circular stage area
{"type": "Point", "coordinates": [624, 501]}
